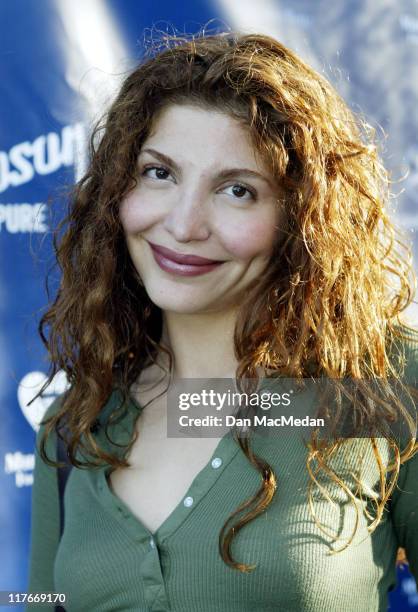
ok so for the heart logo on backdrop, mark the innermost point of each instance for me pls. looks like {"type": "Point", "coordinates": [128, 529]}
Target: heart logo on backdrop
{"type": "Point", "coordinates": [30, 385]}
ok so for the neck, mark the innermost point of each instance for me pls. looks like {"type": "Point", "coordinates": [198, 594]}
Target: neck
{"type": "Point", "coordinates": [202, 344]}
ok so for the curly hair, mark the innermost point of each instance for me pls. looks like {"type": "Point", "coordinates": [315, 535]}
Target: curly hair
{"type": "Point", "coordinates": [328, 305]}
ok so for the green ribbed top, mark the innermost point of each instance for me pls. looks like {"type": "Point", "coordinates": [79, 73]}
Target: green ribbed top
{"type": "Point", "coordinates": [107, 560]}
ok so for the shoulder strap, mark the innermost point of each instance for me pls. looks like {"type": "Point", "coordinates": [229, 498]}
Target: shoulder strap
{"type": "Point", "coordinates": [64, 472]}
{"type": "Point", "coordinates": [62, 475]}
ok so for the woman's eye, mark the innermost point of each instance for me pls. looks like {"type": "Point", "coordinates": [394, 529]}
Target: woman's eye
{"type": "Point", "coordinates": [160, 172]}
{"type": "Point", "coordinates": [239, 191]}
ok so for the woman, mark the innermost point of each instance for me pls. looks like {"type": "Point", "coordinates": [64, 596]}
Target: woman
{"type": "Point", "coordinates": [231, 224]}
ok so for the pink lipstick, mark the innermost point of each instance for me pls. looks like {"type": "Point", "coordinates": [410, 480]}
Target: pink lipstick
{"type": "Point", "coordinates": [181, 264]}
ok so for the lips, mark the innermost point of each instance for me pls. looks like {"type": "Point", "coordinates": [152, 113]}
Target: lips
{"type": "Point", "coordinates": [193, 260]}
{"type": "Point", "coordinates": [179, 264]}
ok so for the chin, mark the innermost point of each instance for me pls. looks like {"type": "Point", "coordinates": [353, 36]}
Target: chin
{"type": "Point", "coordinates": [180, 302]}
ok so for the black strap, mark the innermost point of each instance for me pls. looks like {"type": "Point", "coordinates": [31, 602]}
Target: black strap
{"type": "Point", "coordinates": [62, 476]}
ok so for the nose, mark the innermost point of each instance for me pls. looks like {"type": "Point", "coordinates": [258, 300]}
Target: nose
{"type": "Point", "coordinates": [187, 218]}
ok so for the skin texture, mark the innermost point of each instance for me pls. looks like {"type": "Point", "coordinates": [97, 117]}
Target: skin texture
{"type": "Point", "coordinates": [190, 209]}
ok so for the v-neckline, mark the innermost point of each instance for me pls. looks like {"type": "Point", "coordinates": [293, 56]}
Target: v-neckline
{"type": "Point", "coordinates": [204, 480]}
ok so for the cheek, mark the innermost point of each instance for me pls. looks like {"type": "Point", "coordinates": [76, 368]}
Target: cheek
{"type": "Point", "coordinates": [134, 213]}
{"type": "Point", "coordinates": [250, 238]}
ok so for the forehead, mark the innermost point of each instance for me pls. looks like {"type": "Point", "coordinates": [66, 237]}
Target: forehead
{"type": "Point", "coordinates": [203, 134]}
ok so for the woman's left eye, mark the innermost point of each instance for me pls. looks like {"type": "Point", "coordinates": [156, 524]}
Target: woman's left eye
{"type": "Point", "coordinates": [161, 173]}
{"type": "Point", "coordinates": [239, 191]}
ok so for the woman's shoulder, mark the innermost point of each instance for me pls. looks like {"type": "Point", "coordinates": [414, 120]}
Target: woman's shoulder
{"type": "Point", "coordinates": [53, 408]}
{"type": "Point", "coordinates": [56, 405]}
{"type": "Point", "coordinates": [407, 333]}
{"type": "Point", "coordinates": [404, 349]}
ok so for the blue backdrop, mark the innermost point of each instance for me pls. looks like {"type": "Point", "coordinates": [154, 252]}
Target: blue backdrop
{"type": "Point", "coordinates": [61, 62]}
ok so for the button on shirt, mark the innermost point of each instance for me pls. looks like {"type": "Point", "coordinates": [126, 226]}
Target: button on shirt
{"type": "Point", "coordinates": [108, 560]}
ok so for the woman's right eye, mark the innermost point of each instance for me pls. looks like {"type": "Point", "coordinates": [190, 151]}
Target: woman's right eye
{"type": "Point", "coordinates": [160, 172]}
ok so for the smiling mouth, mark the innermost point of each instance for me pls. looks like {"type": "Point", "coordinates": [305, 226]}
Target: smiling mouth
{"type": "Point", "coordinates": [181, 264]}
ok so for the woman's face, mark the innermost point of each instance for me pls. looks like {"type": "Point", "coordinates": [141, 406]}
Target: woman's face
{"type": "Point", "coordinates": [201, 191]}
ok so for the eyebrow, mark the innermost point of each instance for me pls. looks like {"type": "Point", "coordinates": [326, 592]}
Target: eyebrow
{"type": "Point", "coordinates": [223, 174]}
